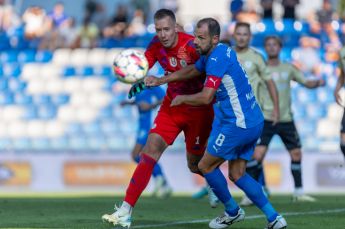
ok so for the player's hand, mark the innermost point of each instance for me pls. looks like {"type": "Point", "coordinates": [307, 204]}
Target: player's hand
{"type": "Point", "coordinates": [152, 81]}
{"type": "Point", "coordinates": [178, 100]}
{"type": "Point", "coordinates": [275, 116]}
{"type": "Point", "coordinates": [136, 89]}
{"type": "Point", "coordinates": [337, 97]}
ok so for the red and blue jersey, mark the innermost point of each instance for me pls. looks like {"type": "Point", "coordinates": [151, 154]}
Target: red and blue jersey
{"type": "Point", "coordinates": [173, 59]}
{"type": "Point", "coordinates": [235, 100]}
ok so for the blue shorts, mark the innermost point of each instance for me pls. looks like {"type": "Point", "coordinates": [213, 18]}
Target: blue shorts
{"type": "Point", "coordinates": [142, 135]}
{"type": "Point", "coordinates": [231, 142]}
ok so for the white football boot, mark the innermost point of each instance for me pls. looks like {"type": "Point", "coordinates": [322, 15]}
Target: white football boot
{"type": "Point", "coordinates": [225, 220]}
{"type": "Point", "coordinates": [121, 217]}
{"type": "Point", "coordinates": [278, 223]}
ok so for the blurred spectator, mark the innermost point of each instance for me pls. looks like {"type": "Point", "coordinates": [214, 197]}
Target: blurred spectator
{"type": "Point", "coordinates": [290, 8]}
{"type": "Point", "coordinates": [8, 17]}
{"type": "Point", "coordinates": [236, 6]}
{"type": "Point", "coordinates": [35, 22]}
{"type": "Point", "coordinates": [68, 33]}
{"type": "Point", "coordinates": [137, 26]}
{"type": "Point", "coordinates": [170, 5]}
{"type": "Point", "coordinates": [267, 7]}
{"type": "Point", "coordinates": [326, 14]}
{"type": "Point", "coordinates": [118, 23]}
{"type": "Point", "coordinates": [249, 13]}
{"type": "Point", "coordinates": [143, 5]}
{"type": "Point", "coordinates": [98, 17]}
{"type": "Point", "coordinates": [87, 35]}
{"type": "Point", "coordinates": [90, 8]}
{"type": "Point", "coordinates": [306, 57]}
{"type": "Point", "coordinates": [57, 16]}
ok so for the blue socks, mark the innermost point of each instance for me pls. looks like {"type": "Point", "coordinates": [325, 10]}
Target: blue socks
{"type": "Point", "coordinates": [219, 185]}
{"type": "Point", "coordinates": [255, 193]}
{"type": "Point", "coordinates": [157, 170]}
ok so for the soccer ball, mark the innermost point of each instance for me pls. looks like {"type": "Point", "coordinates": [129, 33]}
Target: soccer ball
{"type": "Point", "coordinates": [130, 66]}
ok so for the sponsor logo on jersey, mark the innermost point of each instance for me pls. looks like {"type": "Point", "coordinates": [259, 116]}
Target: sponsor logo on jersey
{"type": "Point", "coordinates": [183, 63]}
{"type": "Point", "coordinates": [173, 62]}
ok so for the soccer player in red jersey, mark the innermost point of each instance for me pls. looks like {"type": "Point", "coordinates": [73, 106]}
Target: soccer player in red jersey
{"type": "Point", "coordinates": [173, 50]}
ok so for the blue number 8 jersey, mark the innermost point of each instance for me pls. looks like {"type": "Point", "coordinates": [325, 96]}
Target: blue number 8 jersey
{"type": "Point", "coordinates": [235, 100]}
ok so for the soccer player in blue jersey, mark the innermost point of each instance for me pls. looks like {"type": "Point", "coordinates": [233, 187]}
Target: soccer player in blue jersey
{"type": "Point", "coordinates": [146, 102]}
{"type": "Point", "coordinates": [236, 127]}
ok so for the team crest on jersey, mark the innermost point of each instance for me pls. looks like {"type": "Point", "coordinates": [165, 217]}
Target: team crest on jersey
{"type": "Point", "coordinates": [173, 62]}
{"type": "Point", "coordinates": [248, 64]}
{"type": "Point", "coordinates": [183, 63]}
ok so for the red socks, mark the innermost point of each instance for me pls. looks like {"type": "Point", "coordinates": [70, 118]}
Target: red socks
{"type": "Point", "coordinates": [140, 179]}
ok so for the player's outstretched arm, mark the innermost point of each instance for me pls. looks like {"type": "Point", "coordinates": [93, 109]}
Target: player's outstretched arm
{"type": "Point", "coordinates": [202, 98]}
{"type": "Point", "coordinates": [185, 73]}
{"type": "Point", "coordinates": [314, 83]}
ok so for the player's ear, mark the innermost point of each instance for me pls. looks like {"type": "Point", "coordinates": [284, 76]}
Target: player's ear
{"type": "Point", "coordinates": [215, 39]}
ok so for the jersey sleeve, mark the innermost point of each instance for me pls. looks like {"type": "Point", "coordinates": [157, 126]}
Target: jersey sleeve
{"type": "Point", "coordinates": [297, 75]}
{"type": "Point", "coordinates": [200, 64]}
{"type": "Point", "coordinates": [215, 70]}
{"type": "Point", "coordinates": [264, 72]}
{"type": "Point", "coordinates": [150, 52]}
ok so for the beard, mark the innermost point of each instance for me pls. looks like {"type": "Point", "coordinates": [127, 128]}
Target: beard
{"type": "Point", "coordinates": [204, 51]}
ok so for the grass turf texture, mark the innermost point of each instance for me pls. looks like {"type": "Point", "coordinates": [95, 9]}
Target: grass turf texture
{"type": "Point", "coordinates": [175, 212]}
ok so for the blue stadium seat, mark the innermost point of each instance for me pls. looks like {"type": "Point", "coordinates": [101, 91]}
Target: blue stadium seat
{"type": "Point", "coordinates": [5, 144]}
{"type": "Point", "coordinates": [46, 111]}
{"type": "Point", "coordinates": [21, 143]}
{"type": "Point", "coordinates": [40, 143]}
{"type": "Point", "coordinates": [106, 112]}
{"type": "Point", "coordinates": [61, 99]}
{"type": "Point", "coordinates": [74, 129]}
{"type": "Point", "coordinates": [43, 56]}
{"type": "Point", "coordinates": [84, 71]}
{"type": "Point", "coordinates": [3, 84]}
{"type": "Point", "coordinates": [93, 128]}
{"type": "Point", "coordinates": [110, 126]}
{"type": "Point", "coordinates": [315, 111]}
{"type": "Point", "coordinates": [78, 142]}
{"type": "Point", "coordinates": [6, 98]}
{"type": "Point", "coordinates": [9, 56]}
{"type": "Point", "coordinates": [41, 99]}
{"type": "Point", "coordinates": [68, 71]}
{"type": "Point", "coordinates": [11, 70]}
{"type": "Point", "coordinates": [22, 99]}
{"type": "Point", "coordinates": [96, 142]}
{"type": "Point", "coordinates": [59, 143]}
{"type": "Point", "coordinates": [102, 70]}
{"type": "Point", "coordinates": [16, 85]}
{"type": "Point", "coordinates": [30, 112]}
{"type": "Point", "coordinates": [305, 95]}
{"type": "Point", "coordinates": [26, 56]}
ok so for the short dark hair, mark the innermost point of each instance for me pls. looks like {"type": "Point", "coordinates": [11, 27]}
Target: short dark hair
{"type": "Point", "coordinates": [162, 13]}
{"type": "Point", "coordinates": [242, 24]}
{"type": "Point", "coordinates": [212, 24]}
{"type": "Point", "coordinates": [274, 37]}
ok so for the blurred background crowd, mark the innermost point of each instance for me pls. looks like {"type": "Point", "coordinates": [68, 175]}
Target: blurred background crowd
{"type": "Point", "coordinates": [74, 43]}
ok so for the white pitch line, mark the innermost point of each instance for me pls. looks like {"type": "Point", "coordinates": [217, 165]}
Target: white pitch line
{"type": "Point", "coordinates": [318, 212]}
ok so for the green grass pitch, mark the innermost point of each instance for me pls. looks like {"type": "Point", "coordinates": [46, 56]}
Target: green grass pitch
{"type": "Point", "coordinates": [176, 212]}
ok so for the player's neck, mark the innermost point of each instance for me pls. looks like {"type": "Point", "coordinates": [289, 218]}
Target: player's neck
{"type": "Point", "coordinates": [273, 61]}
{"type": "Point", "coordinates": [241, 49]}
